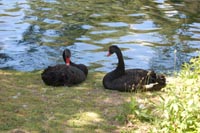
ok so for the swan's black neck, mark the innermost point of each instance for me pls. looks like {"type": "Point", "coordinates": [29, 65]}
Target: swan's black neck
{"type": "Point", "coordinates": [120, 66]}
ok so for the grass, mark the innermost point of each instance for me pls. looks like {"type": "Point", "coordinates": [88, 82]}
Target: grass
{"type": "Point", "coordinates": [28, 105]}
{"type": "Point", "coordinates": [177, 109]}
{"type": "Point", "coordinates": [181, 107]}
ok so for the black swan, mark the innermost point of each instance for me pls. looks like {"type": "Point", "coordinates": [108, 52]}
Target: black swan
{"type": "Point", "coordinates": [131, 80]}
{"type": "Point", "coordinates": [67, 74]}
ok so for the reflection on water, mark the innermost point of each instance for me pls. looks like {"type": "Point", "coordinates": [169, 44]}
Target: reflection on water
{"type": "Point", "coordinates": [153, 34]}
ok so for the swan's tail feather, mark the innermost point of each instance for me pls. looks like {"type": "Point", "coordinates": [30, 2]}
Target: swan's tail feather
{"type": "Point", "coordinates": [153, 82]}
{"type": "Point", "coordinates": [161, 79]}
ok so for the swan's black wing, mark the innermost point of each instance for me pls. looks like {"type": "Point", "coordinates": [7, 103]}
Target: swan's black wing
{"type": "Point", "coordinates": [61, 75]}
{"type": "Point", "coordinates": [132, 80]}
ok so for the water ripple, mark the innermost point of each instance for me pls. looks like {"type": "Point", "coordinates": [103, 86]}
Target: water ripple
{"type": "Point", "coordinates": [33, 34]}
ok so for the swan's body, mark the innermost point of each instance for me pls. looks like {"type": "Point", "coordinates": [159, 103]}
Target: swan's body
{"type": "Point", "coordinates": [131, 79]}
{"type": "Point", "coordinates": [65, 74]}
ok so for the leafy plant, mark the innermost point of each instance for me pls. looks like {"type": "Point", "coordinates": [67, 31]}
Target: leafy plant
{"type": "Point", "coordinates": [181, 106]}
{"type": "Point", "coordinates": [177, 109]}
{"type": "Point", "coordinates": [139, 112]}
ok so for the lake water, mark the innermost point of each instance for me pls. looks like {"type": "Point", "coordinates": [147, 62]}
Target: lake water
{"type": "Point", "coordinates": [153, 34]}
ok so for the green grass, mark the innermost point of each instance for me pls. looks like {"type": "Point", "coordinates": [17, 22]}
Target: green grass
{"type": "Point", "coordinates": [27, 104]}
{"type": "Point", "coordinates": [181, 106]}
{"type": "Point", "coordinates": [176, 110]}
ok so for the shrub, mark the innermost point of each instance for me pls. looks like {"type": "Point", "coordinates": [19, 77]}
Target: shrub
{"type": "Point", "coordinates": [181, 106]}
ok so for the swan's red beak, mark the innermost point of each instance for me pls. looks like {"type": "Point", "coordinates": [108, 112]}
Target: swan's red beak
{"type": "Point", "coordinates": [109, 54]}
{"type": "Point", "coordinates": [67, 61]}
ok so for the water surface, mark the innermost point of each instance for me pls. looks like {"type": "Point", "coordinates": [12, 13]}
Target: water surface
{"type": "Point", "coordinates": [153, 34]}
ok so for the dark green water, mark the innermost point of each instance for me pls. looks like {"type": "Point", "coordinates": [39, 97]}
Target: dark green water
{"type": "Point", "coordinates": [153, 34]}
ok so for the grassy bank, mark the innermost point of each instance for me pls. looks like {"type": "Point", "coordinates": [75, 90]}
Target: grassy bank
{"type": "Point", "coordinates": [27, 105]}
{"type": "Point", "coordinates": [181, 106]}
{"type": "Point", "coordinates": [177, 109]}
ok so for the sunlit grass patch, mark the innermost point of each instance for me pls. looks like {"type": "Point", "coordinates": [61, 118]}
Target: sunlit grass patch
{"type": "Point", "coordinates": [176, 109]}
{"type": "Point", "coordinates": [84, 119]}
{"type": "Point", "coordinates": [182, 105]}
